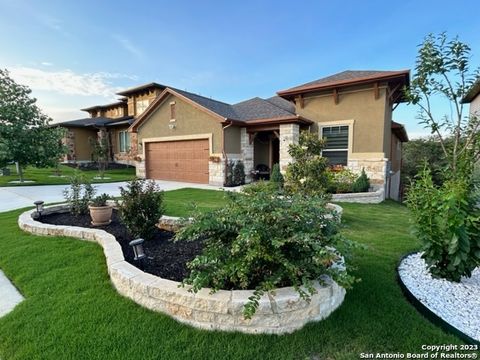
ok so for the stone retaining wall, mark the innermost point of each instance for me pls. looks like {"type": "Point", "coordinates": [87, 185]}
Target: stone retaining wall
{"type": "Point", "coordinates": [283, 313]}
{"type": "Point", "coordinates": [375, 197]}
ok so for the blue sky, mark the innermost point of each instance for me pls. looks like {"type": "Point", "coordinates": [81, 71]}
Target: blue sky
{"type": "Point", "coordinates": [75, 54]}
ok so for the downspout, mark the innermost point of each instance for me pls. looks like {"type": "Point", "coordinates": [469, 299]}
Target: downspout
{"type": "Point", "coordinates": [224, 153]}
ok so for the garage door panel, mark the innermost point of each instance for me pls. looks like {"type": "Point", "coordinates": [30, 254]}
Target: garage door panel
{"type": "Point", "coordinates": [185, 160]}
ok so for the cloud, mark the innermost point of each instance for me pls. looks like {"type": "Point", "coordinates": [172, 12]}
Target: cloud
{"type": "Point", "coordinates": [46, 63]}
{"type": "Point", "coordinates": [129, 46]}
{"type": "Point", "coordinates": [68, 82]}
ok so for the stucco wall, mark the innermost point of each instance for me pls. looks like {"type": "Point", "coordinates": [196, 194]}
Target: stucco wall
{"type": "Point", "coordinates": [115, 112]}
{"type": "Point", "coordinates": [475, 106]}
{"type": "Point", "coordinates": [83, 150]}
{"type": "Point", "coordinates": [359, 105]}
{"type": "Point", "coordinates": [189, 121]}
{"type": "Point", "coordinates": [232, 140]}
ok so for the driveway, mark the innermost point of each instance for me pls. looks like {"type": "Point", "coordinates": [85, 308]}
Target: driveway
{"type": "Point", "coordinates": [21, 196]}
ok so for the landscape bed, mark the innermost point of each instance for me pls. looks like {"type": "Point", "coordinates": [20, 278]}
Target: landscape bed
{"type": "Point", "coordinates": [223, 310]}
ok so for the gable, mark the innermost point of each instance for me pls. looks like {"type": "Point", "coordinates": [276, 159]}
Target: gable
{"type": "Point", "coordinates": [189, 120]}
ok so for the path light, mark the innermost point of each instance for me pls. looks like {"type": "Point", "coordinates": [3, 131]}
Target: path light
{"type": "Point", "coordinates": [137, 246]}
{"type": "Point", "coordinates": [39, 205]}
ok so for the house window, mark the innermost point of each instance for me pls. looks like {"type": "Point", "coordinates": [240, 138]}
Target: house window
{"type": "Point", "coordinates": [124, 141]}
{"type": "Point", "coordinates": [142, 106]}
{"type": "Point", "coordinates": [336, 146]}
{"type": "Point", "coordinates": [172, 110]}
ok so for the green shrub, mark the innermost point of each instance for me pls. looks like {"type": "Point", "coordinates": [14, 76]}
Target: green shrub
{"type": "Point", "coordinates": [79, 194]}
{"type": "Point", "coordinates": [307, 173]}
{"type": "Point", "coordinates": [261, 186]}
{"type": "Point", "coordinates": [447, 223]}
{"type": "Point", "coordinates": [229, 173]}
{"type": "Point", "coordinates": [238, 173]}
{"type": "Point", "coordinates": [100, 200]}
{"type": "Point", "coordinates": [341, 181]}
{"type": "Point", "coordinates": [141, 207]}
{"type": "Point", "coordinates": [262, 242]}
{"type": "Point", "coordinates": [362, 184]}
{"type": "Point", "coordinates": [277, 177]}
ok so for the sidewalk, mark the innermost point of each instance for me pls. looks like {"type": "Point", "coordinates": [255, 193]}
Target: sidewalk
{"type": "Point", "coordinates": [21, 196]}
{"type": "Point", "coordinates": [9, 295]}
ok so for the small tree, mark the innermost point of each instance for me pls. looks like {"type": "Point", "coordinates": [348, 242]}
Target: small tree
{"type": "Point", "coordinates": [277, 177]}
{"type": "Point", "coordinates": [307, 174]}
{"type": "Point", "coordinates": [362, 183]}
{"type": "Point", "coordinates": [79, 194]}
{"type": "Point", "coordinates": [447, 220]}
{"type": "Point", "coordinates": [101, 151]}
{"type": "Point", "coordinates": [24, 130]}
{"type": "Point", "coordinates": [239, 173]}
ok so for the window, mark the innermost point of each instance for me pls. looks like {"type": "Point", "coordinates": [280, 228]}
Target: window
{"type": "Point", "coordinates": [142, 106]}
{"type": "Point", "coordinates": [172, 110]}
{"type": "Point", "coordinates": [124, 141]}
{"type": "Point", "coordinates": [336, 146]}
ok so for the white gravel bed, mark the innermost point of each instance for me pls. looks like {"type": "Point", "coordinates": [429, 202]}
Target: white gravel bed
{"type": "Point", "coordinates": [456, 303]}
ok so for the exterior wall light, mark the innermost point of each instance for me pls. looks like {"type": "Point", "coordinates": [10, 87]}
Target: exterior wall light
{"type": "Point", "coordinates": [39, 205]}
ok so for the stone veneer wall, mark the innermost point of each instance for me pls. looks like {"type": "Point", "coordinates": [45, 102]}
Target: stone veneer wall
{"type": "Point", "coordinates": [283, 313]}
{"type": "Point", "coordinates": [247, 154]}
{"type": "Point", "coordinates": [376, 169]}
{"type": "Point", "coordinates": [69, 142]}
{"type": "Point", "coordinates": [375, 197]}
{"type": "Point", "coordinates": [289, 134]}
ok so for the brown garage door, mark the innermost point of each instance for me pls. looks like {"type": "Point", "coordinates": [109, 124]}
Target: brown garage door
{"type": "Point", "coordinates": [178, 160]}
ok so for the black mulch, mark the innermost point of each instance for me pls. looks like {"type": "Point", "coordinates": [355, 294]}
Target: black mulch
{"type": "Point", "coordinates": [166, 258]}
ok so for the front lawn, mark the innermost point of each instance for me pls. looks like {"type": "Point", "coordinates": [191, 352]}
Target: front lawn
{"type": "Point", "coordinates": [72, 311]}
{"type": "Point", "coordinates": [47, 176]}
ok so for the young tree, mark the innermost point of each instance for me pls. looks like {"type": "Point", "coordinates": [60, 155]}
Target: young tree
{"type": "Point", "coordinates": [443, 70]}
{"type": "Point", "coordinates": [101, 151]}
{"type": "Point", "coordinates": [25, 133]}
{"type": "Point", "coordinates": [446, 217]}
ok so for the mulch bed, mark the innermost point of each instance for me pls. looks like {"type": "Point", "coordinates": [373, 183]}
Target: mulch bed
{"type": "Point", "coordinates": [165, 258]}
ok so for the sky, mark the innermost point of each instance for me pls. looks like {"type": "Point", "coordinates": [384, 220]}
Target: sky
{"type": "Point", "coordinates": [75, 54]}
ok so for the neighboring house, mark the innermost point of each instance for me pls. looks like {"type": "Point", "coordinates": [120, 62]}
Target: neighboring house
{"type": "Point", "coordinates": [473, 98]}
{"type": "Point", "coordinates": [187, 137]}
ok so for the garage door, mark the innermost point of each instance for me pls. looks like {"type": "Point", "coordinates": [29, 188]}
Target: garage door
{"type": "Point", "coordinates": [178, 160]}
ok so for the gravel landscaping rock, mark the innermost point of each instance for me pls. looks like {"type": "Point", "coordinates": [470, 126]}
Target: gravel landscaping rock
{"type": "Point", "coordinates": [456, 303]}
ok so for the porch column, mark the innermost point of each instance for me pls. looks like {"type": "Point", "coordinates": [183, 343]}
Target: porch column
{"type": "Point", "coordinates": [289, 134]}
{"type": "Point", "coordinates": [247, 153]}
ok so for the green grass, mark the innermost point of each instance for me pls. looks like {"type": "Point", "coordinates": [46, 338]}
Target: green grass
{"type": "Point", "coordinates": [46, 176]}
{"type": "Point", "coordinates": [72, 311]}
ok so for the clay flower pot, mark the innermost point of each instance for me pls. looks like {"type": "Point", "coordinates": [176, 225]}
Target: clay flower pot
{"type": "Point", "coordinates": [101, 215]}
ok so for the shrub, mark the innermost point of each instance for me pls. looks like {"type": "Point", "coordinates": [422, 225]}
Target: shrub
{"type": "Point", "coordinates": [362, 184]}
{"type": "Point", "coordinates": [100, 200]}
{"type": "Point", "coordinates": [229, 173]}
{"type": "Point", "coordinates": [447, 223]}
{"type": "Point", "coordinates": [141, 207]}
{"type": "Point", "coordinates": [341, 181]}
{"type": "Point", "coordinates": [79, 194]}
{"type": "Point", "coordinates": [261, 186]}
{"type": "Point", "coordinates": [263, 242]}
{"type": "Point", "coordinates": [277, 177]}
{"type": "Point", "coordinates": [238, 173]}
{"type": "Point", "coordinates": [307, 174]}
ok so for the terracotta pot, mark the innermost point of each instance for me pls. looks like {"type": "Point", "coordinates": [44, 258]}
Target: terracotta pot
{"type": "Point", "coordinates": [101, 215]}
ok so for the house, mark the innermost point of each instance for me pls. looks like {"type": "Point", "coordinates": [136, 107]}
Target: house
{"type": "Point", "coordinates": [182, 136]}
{"type": "Point", "coordinates": [473, 98]}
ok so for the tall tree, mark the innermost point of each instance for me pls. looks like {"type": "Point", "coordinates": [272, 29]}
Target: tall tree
{"type": "Point", "coordinates": [26, 136]}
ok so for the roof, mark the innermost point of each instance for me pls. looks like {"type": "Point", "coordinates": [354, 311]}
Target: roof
{"type": "Point", "coordinates": [97, 122]}
{"type": "Point", "coordinates": [347, 78]}
{"type": "Point", "coordinates": [152, 85]}
{"type": "Point", "coordinates": [249, 111]}
{"type": "Point", "coordinates": [472, 92]}
{"type": "Point", "coordinates": [117, 103]}
{"type": "Point", "coordinates": [400, 131]}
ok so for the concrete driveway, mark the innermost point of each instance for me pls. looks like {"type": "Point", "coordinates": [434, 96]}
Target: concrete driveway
{"type": "Point", "coordinates": [21, 196]}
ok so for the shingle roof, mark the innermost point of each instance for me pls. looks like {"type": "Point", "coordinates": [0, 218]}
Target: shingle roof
{"type": "Point", "coordinates": [141, 88]}
{"type": "Point", "coordinates": [251, 109]}
{"type": "Point", "coordinates": [97, 121]}
{"type": "Point", "coordinates": [105, 106]}
{"type": "Point", "coordinates": [345, 78]}
{"type": "Point", "coordinates": [257, 108]}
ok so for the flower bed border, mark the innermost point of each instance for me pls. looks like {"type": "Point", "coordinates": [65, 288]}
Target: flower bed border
{"type": "Point", "coordinates": [283, 313]}
{"type": "Point", "coordinates": [426, 312]}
